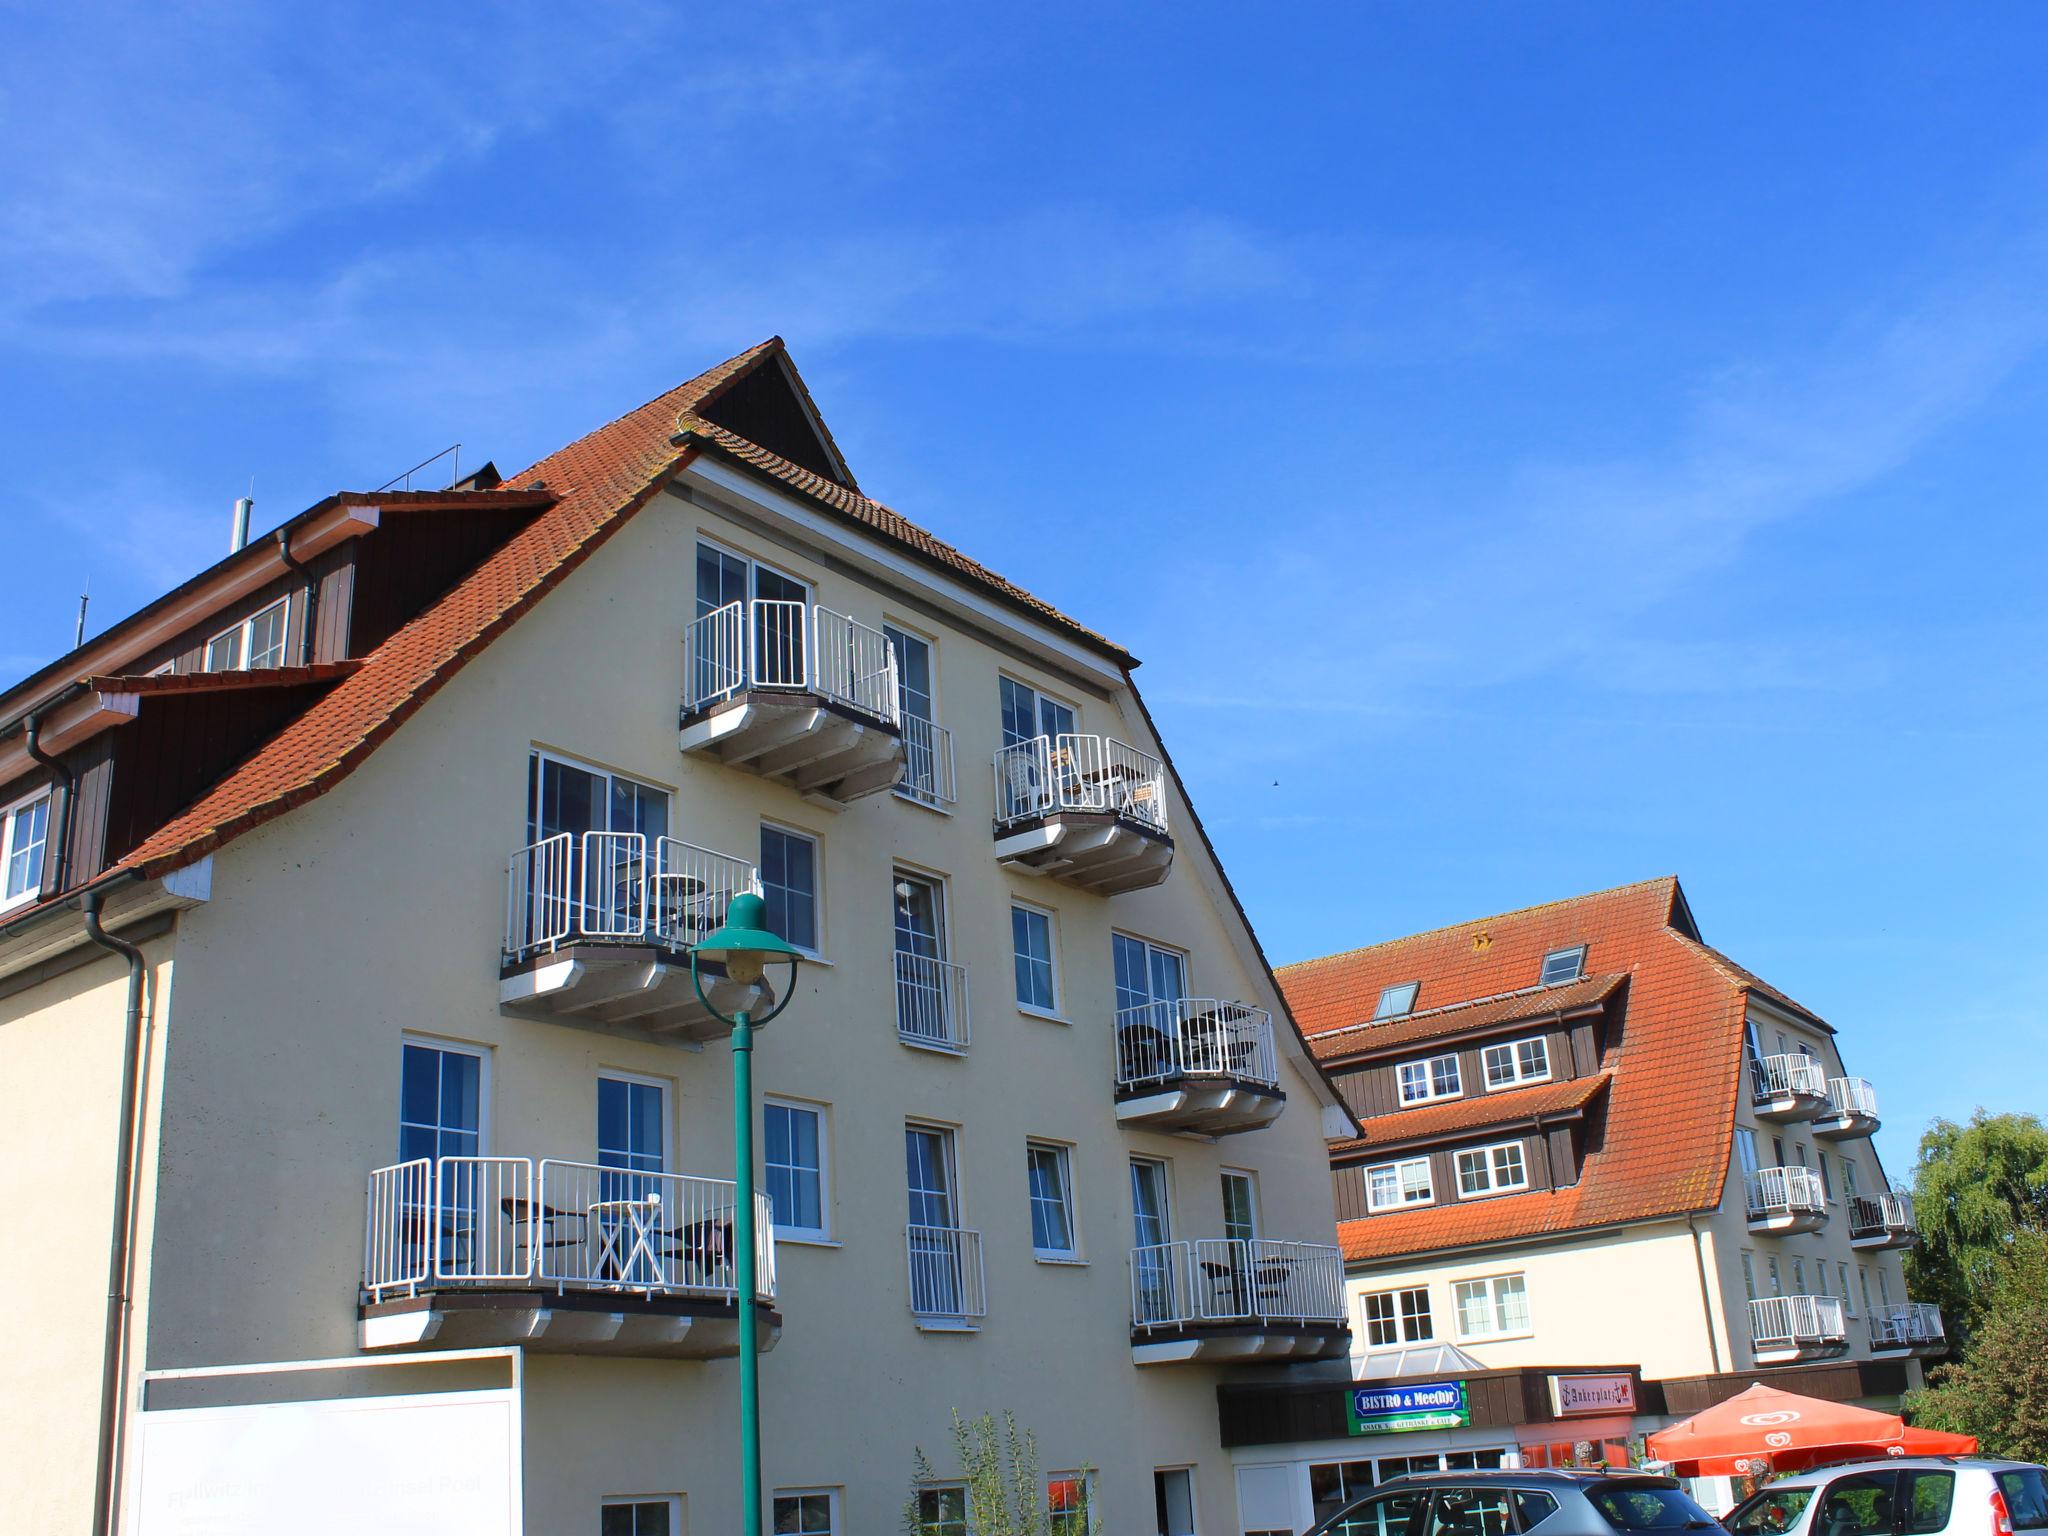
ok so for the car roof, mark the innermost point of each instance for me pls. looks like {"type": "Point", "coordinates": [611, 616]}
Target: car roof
{"type": "Point", "coordinates": [1535, 1477]}
{"type": "Point", "coordinates": [1833, 1469]}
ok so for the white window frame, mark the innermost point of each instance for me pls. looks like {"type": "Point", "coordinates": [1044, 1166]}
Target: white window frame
{"type": "Point", "coordinates": [753, 564]}
{"type": "Point", "coordinates": [1491, 1285]}
{"type": "Point", "coordinates": [1251, 1182]}
{"type": "Point", "coordinates": [939, 1486]}
{"type": "Point", "coordinates": [674, 1502]}
{"type": "Point", "coordinates": [817, 951]}
{"type": "Point", "coordinates": [1516, 1077]}
{"type": "Point", "coordinates": [830, 1495]}
{"type": "Point", "coordinates": [10, 816]}
{"type": "Point", "coordinates": [245, 632]}
{"type": "Point", "coordinates": [666, 1091]}
{"type": "Point", "coordinates": [1489, 1156]}
{"type": "Point", "coordinates": [1397, 1315]}
{"type": "Point", "coordinates": [1187, 1471]}
{"type": "Point", "coordinates": [1748, 1275]}
{"type": "Point", "coordinates": [1052, 944]}
{"type": "Point", "coordinates": [1405, 992]}
{"type": "Point", "coordinates": [1403, 1202]}
{"type": "Point", "coordinates": [784, 1232]}
{"type": "Point", "coordinates": [1039, 698]}
{"type": "Point", "coordinates": [1848, 1296]}
{"type": "Point", "coordinates": [1089, 1513]}
{"type": "Point", "coordinates": [1063, 1154]}
{"type": "Point", "coordinates": [1433, 1093]}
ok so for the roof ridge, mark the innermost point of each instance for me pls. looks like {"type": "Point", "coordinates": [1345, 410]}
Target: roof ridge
{"type": "Point", "coordinates": [1496, 917]}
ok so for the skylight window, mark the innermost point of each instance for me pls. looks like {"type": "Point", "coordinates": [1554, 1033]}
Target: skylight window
{"type": "Point", "coordinates": [1563, 965]}
{"type": "Point", "coordinates": [1397, 1000]}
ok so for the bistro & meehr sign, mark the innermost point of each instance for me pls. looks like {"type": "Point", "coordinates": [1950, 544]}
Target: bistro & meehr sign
{"type": "Point", "coordinates": [1417, 1405]}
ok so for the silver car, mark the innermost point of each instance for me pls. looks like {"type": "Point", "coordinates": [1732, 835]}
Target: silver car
{"type": "Point", "coordinates": [1901, 1496]}
{"type": "Point", "coordinates": [1507, 1503]}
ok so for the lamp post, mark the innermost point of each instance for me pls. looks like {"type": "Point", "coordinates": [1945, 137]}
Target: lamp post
{"type": "Point", "coordinates": [744, 948]}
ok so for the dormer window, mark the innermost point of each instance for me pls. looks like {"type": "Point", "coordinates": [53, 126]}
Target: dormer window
{"type": "Point", "coordinates": [1517, 1062]}
{"type": "Point", "coordinates": [1397, 1000]}
{"type": "Point", "coordinates": [252, 645]}
{"type": "Point", "coordinates": [24, 834]}
{"type": "Point", "coordinates": [1423, 1082]}
{"type": "Point", "coordinates": [1563, 965]}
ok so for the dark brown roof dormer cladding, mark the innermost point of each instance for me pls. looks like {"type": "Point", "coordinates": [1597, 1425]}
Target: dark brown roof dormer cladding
{"type": "Point", "coordinates": [771, 408]}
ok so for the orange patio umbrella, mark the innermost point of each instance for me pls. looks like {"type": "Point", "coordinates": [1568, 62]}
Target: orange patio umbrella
{"type": "Point", "coordinates": [1763, 1429]}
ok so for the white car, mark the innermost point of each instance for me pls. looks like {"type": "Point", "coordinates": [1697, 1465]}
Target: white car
{"type": "Point", "coordinates": [1900, 1496]}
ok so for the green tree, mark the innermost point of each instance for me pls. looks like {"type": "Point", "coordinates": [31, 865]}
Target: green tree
{"type": "Point", "coordinates": [1999, 1390]}
{"type": "Point", "coordinates": [1976, 1189]}
{"type": "Point", "coordinates": [1000, 1491]}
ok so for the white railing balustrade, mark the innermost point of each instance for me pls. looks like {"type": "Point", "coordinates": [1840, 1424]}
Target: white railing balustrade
{"type": "Point", "coordinates": [927, 763]}
{"type": "Point", "coordinates": [469, 1221]}
{"type": "Point", "coordinates": [1793, 1320]}
{"type": "Point", "coordinates": [1777, 1191]}
{"type": "Point", "coordinates": [1852, 1098]}
{"type": "Point", "coordinates": [773, 645]}
{"type": "Point", "coordinates": [1789, 1076]}
{"type": "Point", "coordinates": [931, 1001]}
{"type": "Point", "coordinates": [1228, 1279]}
{"type": "Point", "coordinates": [1914, 1323]}
{"type": "Point", "coordinates": [1891, 1211]}
{"type": "Point", "coordinates": [946, 1277]}
{"type": "Point", "coordinates": [1195, 1037]}
{"type": "Point", "coordinates": [604, 886]}
{"type": "Point", "coordinates": [1050, 775]}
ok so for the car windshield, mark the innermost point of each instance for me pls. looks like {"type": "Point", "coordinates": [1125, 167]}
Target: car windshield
{"type": "Point", "coordinates": [1770, 1513]}
{"type": "Point", "coordinates": [1633, 1507]}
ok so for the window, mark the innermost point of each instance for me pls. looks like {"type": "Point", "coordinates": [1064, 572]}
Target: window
{"type": "Point", "coordinates": [1848, 1300]}
{"type": "Point", "coordinates": [1398, 1317]}
{"type": "Point", "coordinates": [1069, 1501]}
{"type": "Point", "coordinates": [1154, 1277]}
{"type": "Point", "coordinates": [1049, 1174]}
{"type": "Point", "coordinates": [1532, 1508]}
{"type": "Point", "coordinates": [1151, 982]}
{"type": "Point", "coordinates": [724, 578]}
{"type": "Point", "coordinates": [1884, 1287]}
{"type": "Point", "coordinates": [793, 1149]}
{"type": "Point", "coordinates": [565, 800]}
{"type": "Point", "coordinates": [1563, 965]}
{"type": "Point", "coordinates": [441, 1102]}
{"type": "Point", "coordinates": [2026, 1497]}
{"type": "Point", "coordinates": [806, 1512]}
{"type": "Point", "coordinates": [255, 643]}
{"type": "Point", "coordinates": [1398, 1512]}
{"type": "Point", "coordinates": [930, 1008]}
{"type": "Point", "coordinates": [1027, 713]}
{"type": "Point", "coordinates": [1240, 1206]}
{"type": "Point", "coordinates": [1490, 1170]}
{"type": "Point", "coordinates": [1770, 1513]}
{"type": "Point", "coordinates": [1390, 1186]}
{"type": "Point", "coordinates": [789, 885]}
{"type": "Point", "coordinates": [1425, 1081]}
{"type": "Point", "coordinates": [1925, 1498]}
{"type": "Point", "coordinates": [632, 1132]}
{"type": "Point", "coordinates": [1745, 1146]}
{"type": "Point", "coordinates": [1863, 1285]}
{"type": "Point", "coordinates": [1516, 1062]}
{"type": "Point", "coordinates": [1827, 1183]}
{"type": "Point", "coordinates": [24, 836]}
{"type": "Point", "coordinates": [1031, 946]}
{"type": "Point", "coordinates": [942, 1281]}
{"type": "Point", "coordinates": [1798, 1275]}
{"type": "Point", "coordinates": [1748, 1275]}
{"type": "Point", "coordinates": [1473, 1512]}
{"type": "Point", "coordinates": [640, 1517]}
{"type": "Point", "coordinates": [1849, 1177]}
{"type": "Point", "coordinates": [1397, 1000]}
{"type": "Point", "coordinates": [1173, 1500]}
{"type": "Point", "coordinates": [942, 1511]}
{"type": "Point", "coordinates": [927, 752]}
{"type": "Point", "coordinates": [1494, 1307]}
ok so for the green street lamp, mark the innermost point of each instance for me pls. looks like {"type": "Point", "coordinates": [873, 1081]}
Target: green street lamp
{"type": "Point", "coordinates": [744, 949]}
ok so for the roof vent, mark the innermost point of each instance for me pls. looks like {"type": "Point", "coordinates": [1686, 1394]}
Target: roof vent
{"type": "Point", "coordinates": [244, 505]}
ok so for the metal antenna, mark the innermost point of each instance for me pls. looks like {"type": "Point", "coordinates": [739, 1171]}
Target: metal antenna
{"type": "Point", "coordinates": [84, 598]}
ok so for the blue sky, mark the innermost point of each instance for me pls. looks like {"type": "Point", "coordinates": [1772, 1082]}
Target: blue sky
{"type": "Point", "coordinates": [1533, 448]}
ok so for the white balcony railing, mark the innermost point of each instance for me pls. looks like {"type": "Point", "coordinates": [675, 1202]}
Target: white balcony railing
{"type": "Point", "coordinates": [778, 646]}
{"type": "Point", "coordinates": [1785, 1322]}
{"type": "Point", "coordinates": [1049, 775]}
{"type": "Point", "coordinates": [931, 1002]}
{"type": "Point", "coordinates": [1852, 1098]}
{"type": "Point", "coordinates": [617, 887]}
{"type": "Point", "coordinates": [1789, 1076]}
{"type": "Point", "coordinates": [1890, 1211]}
{"type": "Point", "coordinates": [483, 1221]}
{"type": "Point", "coordinates": [1785, 1191]}
{"type": "Point", "coordinates": [946, 1278]}
{"type": "Point", "coordinates": [1226, 1279]}
{"type": "Point", "coordinates": [1195, 1037]}
{"type": "Point", "coordinates": [1912, 1325]}
{"type": "Point", "coordinates": [927, 763]}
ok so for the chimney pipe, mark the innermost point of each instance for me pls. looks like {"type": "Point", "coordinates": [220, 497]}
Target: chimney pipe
{"type": "Point", "coordinates": [244, 505]}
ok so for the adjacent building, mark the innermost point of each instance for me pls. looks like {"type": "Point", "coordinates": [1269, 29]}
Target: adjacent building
{"type": "Point", "coordinates": [1605, 1177]}
{"type": "Point", "coordinates": [346, 1021]}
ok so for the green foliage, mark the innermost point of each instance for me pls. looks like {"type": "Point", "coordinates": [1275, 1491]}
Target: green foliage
{"type": "Point", "coordinates": [1976, 1189]}
{"type": "Point", "coordinates": [1999, 1390]}
{"type": "Point", "coordinates": [1005, 1490]}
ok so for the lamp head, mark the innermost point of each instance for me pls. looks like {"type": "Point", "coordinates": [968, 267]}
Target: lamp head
{"type": "Point", "coordinates": [745, 945]}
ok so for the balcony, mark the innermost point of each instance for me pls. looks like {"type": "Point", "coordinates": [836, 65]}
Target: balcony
{"type": "Point", "coordinates": [1790, 1087]}
{"type": "Point", "coordinates": [1088, 810]}
{"type": "Point", "coordinates": [1784, 1329]}
{"type": "Point", "coordinates": [948, 1288]}
{"type": "Point", "coordinates": [1785, 1200]}
{"type": "Point", "coordinates": [556, 1256]}
{"type": "Point", "coordinates": [1851, 1111]}
{"type": "Point", "coordinates": [803, 695]}
{"type": "Point", "coordinates": [598, 927]}
{"type": "Point", "coordinates": [931, 1003]}
{"type": "Point", "coordinates": [1882, 1221]}
{"type": "Point", "coordinates": [927, 764]}
{"type": "Point", "coordinates": [1197, 1066]}
{"type": "Point", "coordinates": [1220, 1298]}
{"type": "Point", "coordinates": [1913, 1329]}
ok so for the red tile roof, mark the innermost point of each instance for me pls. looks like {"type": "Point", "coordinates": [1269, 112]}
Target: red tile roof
{"type": "Point", "coordinates": [1528, 1006]}
{"type": "Point", "coordinates": [1517, 1106]}
{"type": "Point", "coordinates": [1663, 1145]}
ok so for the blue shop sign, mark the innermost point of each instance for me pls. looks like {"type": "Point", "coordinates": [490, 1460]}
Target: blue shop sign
{"type": "Point", "coordinates": [1408, 1405]}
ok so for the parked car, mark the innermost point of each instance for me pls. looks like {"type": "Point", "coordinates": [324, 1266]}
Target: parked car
{"type": "Point", "coordinates": [1506, 1503]}
{"type": "Point", "coordinates": [1901, 1496]}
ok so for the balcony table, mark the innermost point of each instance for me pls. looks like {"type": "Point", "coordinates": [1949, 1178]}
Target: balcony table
{"type": "Point", "coordinates": [626, 1232]}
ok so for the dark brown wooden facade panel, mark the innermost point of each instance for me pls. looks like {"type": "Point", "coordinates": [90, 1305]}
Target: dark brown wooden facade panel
{"type": "Point", "coordinates": [1836, 1381]}
{"type": "Point", "coordinates": [1374, 1088]}
{"type": "Point", "coordinates": [414, 558]}
{"type": "Point", "coordinates": [1349, 1187]}
{"type": "Point", "coordinates": [1282, 1413]}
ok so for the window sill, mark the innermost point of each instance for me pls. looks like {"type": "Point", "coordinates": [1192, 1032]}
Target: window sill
{"type": "Point", "coordinates": [1440, 1098]}
{"type": "Point", "coordinates": [1520, 1082]}
{"type": "Point", "coordinates": [808, 1240]}
{"type": "Point", "coordinates": [932, 1048]}
{"type": "Point", "coordinates": [940, 809]}
{"type": "Point", "coordinates": [1495, 1194]}
{"type": "Point", "coordinates": [1043, 1015]}
{"type": "Point", "coordinates": [1495, 1338]}
{"type": "Point", "coordinates": [945, 1325]}
{"type": "Point", "coordinates": [1060, 1261]}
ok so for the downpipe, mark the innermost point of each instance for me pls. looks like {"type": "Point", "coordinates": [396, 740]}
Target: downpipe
{"type": "Point", "coordinates": [112, 1396]}
{"type": "Point", "coordinates": [32, 743]}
